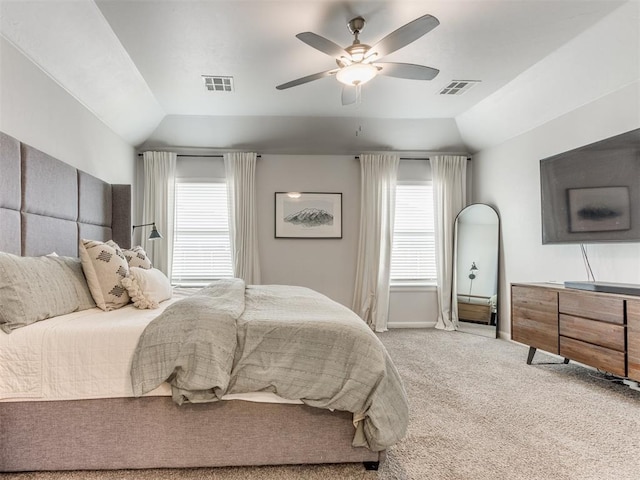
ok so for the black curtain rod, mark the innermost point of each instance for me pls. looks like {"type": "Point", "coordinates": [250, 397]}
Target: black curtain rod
{"type": "Point", "coordinates": [202, 156]}
{"type": "Point", "coordinates": [357, 157]}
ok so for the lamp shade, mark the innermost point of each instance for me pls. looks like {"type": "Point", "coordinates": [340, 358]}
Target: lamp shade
{"type": "Point", "coordinates": [473, 270]}
{"type": "Point", "coordinates": [155, 234]}
{"type": "Point", "coordinates": [356, 74]}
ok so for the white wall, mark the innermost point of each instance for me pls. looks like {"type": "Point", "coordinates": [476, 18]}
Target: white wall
{"type": "Point", "coordinates": [36, 110]}
{"type": "Point", "coordinates": [413, 307]}
{"type": "Point", "coordinates": [507, 176]}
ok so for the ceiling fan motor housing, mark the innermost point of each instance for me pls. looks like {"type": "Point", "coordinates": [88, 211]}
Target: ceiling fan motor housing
{"type": "Point", "coordinates": [356, 25]}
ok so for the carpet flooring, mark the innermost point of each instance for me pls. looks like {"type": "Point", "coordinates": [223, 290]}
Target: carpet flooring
{"type": "Point", "coordinates": [477, 412]}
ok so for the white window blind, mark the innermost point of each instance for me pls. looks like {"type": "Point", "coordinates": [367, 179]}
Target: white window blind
{"type": "Point", "coordinates": [201, 248]}
{"type": "Point", "coordinates": [413, 258]}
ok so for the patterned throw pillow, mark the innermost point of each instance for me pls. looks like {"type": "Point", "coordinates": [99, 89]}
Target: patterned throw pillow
{"type": "Point", "coordinates": [137, 257]}
{"type": "Point", "coordinates": [105, 266]}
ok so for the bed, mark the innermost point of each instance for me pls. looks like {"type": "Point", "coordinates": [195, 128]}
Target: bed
{"type": "Point", "coordinates": [47, 206]}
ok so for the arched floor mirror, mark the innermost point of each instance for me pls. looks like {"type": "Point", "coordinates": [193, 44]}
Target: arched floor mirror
{"type": "Point", "coordinates": [476, 253]}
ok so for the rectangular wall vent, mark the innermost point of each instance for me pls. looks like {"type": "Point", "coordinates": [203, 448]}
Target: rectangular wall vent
{"type": "Point", "coordinates": [217, 83]}
{"type": "Point", "coordinates": [458, 87]}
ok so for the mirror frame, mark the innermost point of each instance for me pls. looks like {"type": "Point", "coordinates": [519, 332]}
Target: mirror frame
{"type": "Point", "coordinates": [491, 331]}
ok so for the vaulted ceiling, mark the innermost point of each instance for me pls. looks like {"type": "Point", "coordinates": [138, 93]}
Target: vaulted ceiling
{"type": "Point", "coordinates": [138, 65]}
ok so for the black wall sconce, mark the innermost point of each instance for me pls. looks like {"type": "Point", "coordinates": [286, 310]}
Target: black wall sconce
{"type": "Point", "coordinates": [154, 235]}
{"type": "Point", "coordinates": [472, 276]}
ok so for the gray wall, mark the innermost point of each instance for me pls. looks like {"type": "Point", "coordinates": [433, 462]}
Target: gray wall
{"type": "Point", "coordinates": [326, 265]}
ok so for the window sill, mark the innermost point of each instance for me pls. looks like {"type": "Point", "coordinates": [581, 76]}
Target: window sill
{"type": "Point", "coordinates": [413, 287]}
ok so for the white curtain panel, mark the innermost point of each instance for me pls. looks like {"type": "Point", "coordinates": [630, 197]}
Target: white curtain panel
{"type": "Point", "coordinates": [158, 206]}
{"type": "Point", "coordinates": [240, 170]}
{"type": "Point", "coordinates": [378, 175]}
{"type": "Point", "coordinates": [449, 173]}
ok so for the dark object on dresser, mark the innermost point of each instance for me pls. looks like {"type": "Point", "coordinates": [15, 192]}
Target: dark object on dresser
{"type": "Point", "coordinates": [606, 287]}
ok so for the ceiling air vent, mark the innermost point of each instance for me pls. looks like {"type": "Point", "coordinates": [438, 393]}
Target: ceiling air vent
{"type": "Point", "coordinates": [458, 87]}
{"type": "Point", "coordinates": [218, 84]}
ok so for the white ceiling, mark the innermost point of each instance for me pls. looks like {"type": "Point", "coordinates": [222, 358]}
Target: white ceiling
{"type": "Point", "coordinates": [138, 65]}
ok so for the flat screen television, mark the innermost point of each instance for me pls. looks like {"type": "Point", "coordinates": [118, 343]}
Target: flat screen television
{"type": "Point", "coordinates": [592, 194]}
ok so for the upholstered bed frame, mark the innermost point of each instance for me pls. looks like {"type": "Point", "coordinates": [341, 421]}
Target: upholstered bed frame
{"type": "Point", "coordinates": [47, 206]}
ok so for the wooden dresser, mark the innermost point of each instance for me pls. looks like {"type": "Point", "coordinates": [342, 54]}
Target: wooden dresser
{"type": "Point", "coordinates": [601, 330]}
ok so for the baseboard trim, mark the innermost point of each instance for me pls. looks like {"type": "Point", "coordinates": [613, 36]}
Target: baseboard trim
{"type": "Point", "coordinates": [411, 325]}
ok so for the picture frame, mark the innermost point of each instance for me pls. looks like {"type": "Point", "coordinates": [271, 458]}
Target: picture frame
{"type": "Point", "coordinates": [308, 215]}
{"type": "Point", "coordinates": [599, 209]}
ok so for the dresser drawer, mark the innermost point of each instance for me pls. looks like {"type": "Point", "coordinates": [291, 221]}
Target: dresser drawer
{"type": "Point", "coordinates": [633, 339]}
{"type": "Point", "coordinates": [609, 335]}
{"type": "Point", "coordinates": [534, 317]}
{"type": "Point", "coordinates": [589, 305]}
{"type": "Point", "coordinates": [475, 312]}
{"type": "Point", "coordinates": [602, 358]}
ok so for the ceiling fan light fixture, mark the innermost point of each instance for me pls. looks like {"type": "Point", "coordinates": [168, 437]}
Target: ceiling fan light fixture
{"type": "Point", "coordinates": [358, 51]}
{"type": "Point", "coordinates": [344, 62]}
{"type": "Point", "coordinates": [356, 74]}
{"type": "Point", "coordinates": [370, 57]}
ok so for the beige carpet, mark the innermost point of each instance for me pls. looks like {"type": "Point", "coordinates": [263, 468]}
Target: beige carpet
{"type": "Point", "coordinates": [477, 412]}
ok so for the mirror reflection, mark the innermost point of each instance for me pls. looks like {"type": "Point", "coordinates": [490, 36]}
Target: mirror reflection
{"type": "Point", "coordinates": [477, 231]}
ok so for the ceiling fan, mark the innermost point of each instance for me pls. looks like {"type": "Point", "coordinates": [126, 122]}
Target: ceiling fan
{"type": "Point", "coordinates": [358, 63]}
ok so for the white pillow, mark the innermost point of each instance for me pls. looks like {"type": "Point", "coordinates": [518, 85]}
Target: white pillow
{"type": "Point", "coordinates": [137, 257]}
{"type": "Point", "coordinates": [104, 267]}
{"type": "Point", "coordinates": [147, 287]}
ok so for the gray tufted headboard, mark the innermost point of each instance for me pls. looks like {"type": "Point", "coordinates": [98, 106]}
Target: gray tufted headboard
{"type": "Point", "coordinates": [47, 205]}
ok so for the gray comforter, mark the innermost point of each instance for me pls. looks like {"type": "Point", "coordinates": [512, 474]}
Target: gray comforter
{"type": "Point", "coordinates": [291, 341]}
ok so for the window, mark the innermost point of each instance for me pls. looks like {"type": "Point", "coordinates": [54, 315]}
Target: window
{"type": "Point", "coordinates": [201, 248]}
{"type": "Point", "coordinates": [413, 258]}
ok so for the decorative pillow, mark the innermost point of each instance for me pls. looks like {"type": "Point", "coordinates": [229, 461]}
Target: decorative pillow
{"type": "Point", "coordinates": [147, 287]}
{"type": "Point", "coordinates": [36, 288]}
{"type": "Point", "coordinates": [104, 266]}
{"type": "Point", "coordinates": [137, 257]}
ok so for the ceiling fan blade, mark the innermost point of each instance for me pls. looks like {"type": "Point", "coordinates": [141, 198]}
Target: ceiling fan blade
{"type": "Point", "coordinates": [307, 79]}
{"type": "Point", "coordinates": [322, 44]}
{"type": "Point", "coordinates": [407, 70]}
{"type": "Point", "coordinates": [349, 94]}
{"type": "Point", "coordinates": [404, 36]}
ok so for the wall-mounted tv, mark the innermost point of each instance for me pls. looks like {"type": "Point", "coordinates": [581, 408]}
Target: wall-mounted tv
{"type": "Point", "coordinates": [592, 194]}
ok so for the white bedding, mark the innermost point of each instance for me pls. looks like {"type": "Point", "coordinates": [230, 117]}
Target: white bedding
{"type": "Point", "coordinates": [81, 355]}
